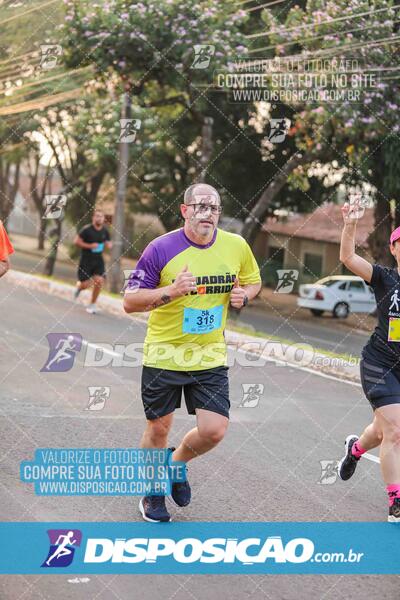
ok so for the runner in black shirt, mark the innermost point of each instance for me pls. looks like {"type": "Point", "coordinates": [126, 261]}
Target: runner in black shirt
{"type": "Point", "coordinates": [92, 239]}
{"type": "Point", "coordinates": [380, 364]}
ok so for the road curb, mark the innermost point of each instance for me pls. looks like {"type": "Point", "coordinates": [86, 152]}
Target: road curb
{"type": "Point", "coordinates": [255, 350]}
{"type": "Point", "coordinates": [38, 254]}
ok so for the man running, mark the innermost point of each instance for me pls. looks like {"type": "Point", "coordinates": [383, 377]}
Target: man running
{"type": "Point", "coordinates": [62, 544]}
{"type": "Point", "coordinates": [379, 366]}
{"type": "Point", "coordinates": [92, 239]}
{"type": "Point", "coordinates": [187, 278]}
{"type": "Point", "coordinates": [6, 249]}
{"type": "Point", "coordinates": [64, 348]}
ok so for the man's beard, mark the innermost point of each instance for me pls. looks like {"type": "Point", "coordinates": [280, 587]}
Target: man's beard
{"type": "Point", "coordinates": [199, 227]}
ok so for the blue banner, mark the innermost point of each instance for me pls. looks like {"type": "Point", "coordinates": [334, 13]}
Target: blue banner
{"type": "Point", "coordinates": [199, 548]}
{"type": "Point", "coordinates": [102, 471]}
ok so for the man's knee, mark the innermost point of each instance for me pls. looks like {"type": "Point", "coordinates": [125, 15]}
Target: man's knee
{"type": "Point", "coordinates": [97, 281]}
{"type": "Point", "coordinates": [158, 428]}
{"type": "Point", "coordinates": [212, 433]}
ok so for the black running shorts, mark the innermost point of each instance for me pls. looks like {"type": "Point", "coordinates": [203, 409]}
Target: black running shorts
{"type": "Point", "coordinates": [88, 268]}
{"type": "Point", "coordinates": [381, 385]}
{"type": "Point", "coordinates": [162, 391]}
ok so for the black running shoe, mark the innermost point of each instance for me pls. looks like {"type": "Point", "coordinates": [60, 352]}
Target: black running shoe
{"type": "Point", "coordinates": [348, 464]}
{"type": "Point", "coordinates": [394, 512]}
{"type": "Point", "coordinates": [180, 492]}
{"type": "Point", "coordinates": [153, 509]}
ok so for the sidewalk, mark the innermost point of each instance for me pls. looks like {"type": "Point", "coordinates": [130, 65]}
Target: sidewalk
{"type": "Point", "coordinates": [28, 245]}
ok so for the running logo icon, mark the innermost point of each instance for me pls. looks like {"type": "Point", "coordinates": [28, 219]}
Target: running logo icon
{"type": "Point", "coordinates": [394, 301]}
{"type": "Point", "coordinates": [62, 350]}
{"type": "Point", "coordinates": [49, 55]}
{"type": "Point", "coordinates": [286, 280]}
{"type": "Point", "coordinates": [63, 543]}
{"type": "Point", "coordinates": [54, 206]}
{"type": "Point", "coordinates": [357, 205]}
{"type": "Point", "coordinates": [251, 394]}
{"type": "Point", "coordinates": [97, 397]}
{"type": "Point", "coordinates": [329, 471]}
{"type": "Point", "coordinates": [278, 130]}
{"type": "Point", "coordinates": [129, 129]}
{"type": "Point", "coordinates": [132, 279]}
{"type": "Point", "coordinates": [202, 56]}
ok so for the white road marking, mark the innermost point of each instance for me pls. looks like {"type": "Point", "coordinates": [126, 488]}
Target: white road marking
{"type": "Point", "coordinates": [98, 347]}
{"type": "Point", "coordinates": [301, 368]}
{"type": "Point", "coordinates": [371, 457]}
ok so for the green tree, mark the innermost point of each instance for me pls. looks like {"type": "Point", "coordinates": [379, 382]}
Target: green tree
{"type": "Point", "coordinates": [357, 137]}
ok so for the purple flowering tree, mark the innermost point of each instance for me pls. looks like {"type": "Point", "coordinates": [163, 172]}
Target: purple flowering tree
{"type": "Point", "coordinates": [357, 137]}
{"type": "Point", "coordinates": [149, 45]}
{"type": "Point", "coordinates": [146, 50]}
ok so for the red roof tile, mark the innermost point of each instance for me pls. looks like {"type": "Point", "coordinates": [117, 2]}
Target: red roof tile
{"type": "Point", "coordinates": [324, 224]}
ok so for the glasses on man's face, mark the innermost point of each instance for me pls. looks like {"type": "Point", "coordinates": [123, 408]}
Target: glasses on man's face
{"type": "Point", "coordinates": [203, 209]}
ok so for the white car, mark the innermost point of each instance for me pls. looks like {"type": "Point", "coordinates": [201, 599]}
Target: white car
{"type": "Point", "coordinates": [339, 294]}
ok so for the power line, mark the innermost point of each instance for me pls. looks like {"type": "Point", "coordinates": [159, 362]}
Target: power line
{"type": "Point", "coordinates": [263, 6]}
{"type": "Point", "coordinates": [354, 16]}
{"type": "Point", "coordinates": [244, 2]}
{"type": "Point", "coordinates": [11, 73]}
{"type": "Point", "coordinates": [318, 37]}
{"type": "Point", "coordinates": [336, 50]}
{"type": "Point", "coordinates": [14, 58]}
{"type": "Point", "coordinates": [29, 10]}
{"type": "Point", "coordinates": [45, 80]}
{"type": "Point", "coordinates": [40, 103]}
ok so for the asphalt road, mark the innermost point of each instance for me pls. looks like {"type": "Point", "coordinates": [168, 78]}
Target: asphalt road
{"type": "Point", "coordinates": [318, 333]}
{"type": "Point", "coordinates": [266, 469]}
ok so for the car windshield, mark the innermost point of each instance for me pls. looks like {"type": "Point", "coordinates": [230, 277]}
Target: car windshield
{"type": "Point", "coordinates": [327, 282]}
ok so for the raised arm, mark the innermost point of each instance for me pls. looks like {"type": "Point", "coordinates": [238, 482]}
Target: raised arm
{"type": "Point", "coordinates": [355, 263]}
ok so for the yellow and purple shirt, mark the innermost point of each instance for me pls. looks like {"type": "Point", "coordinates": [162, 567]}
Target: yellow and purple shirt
{"type": "Point", "coordinates": [187, 334]}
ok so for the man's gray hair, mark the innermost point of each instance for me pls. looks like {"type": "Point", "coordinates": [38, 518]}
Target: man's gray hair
{"type": "Point", "coordinates": [199, 188]}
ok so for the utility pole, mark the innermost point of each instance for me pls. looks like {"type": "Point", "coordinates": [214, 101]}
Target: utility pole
{"type": "Point", "coordinates": [119, 212]}
{"type": "Point", "coordinates": [206, 146]}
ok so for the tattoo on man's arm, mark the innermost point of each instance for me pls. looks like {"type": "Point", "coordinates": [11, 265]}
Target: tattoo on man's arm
{"type": "Point", "coordinates": [163, 300]}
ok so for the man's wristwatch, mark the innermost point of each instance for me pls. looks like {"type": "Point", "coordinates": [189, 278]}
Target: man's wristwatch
{"type": "Point", "coordinates": [245, 300]}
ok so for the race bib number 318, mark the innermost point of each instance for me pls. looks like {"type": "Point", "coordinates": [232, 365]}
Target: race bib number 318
{"type": "Point", "coordinates": [202, 321]}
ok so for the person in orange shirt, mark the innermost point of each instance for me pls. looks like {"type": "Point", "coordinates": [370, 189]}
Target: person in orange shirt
{"type": "Point", "coordinates": [5, 250]}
